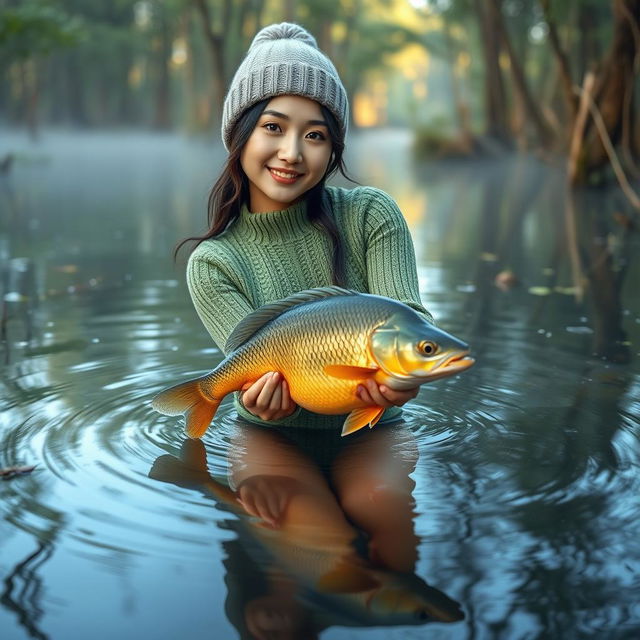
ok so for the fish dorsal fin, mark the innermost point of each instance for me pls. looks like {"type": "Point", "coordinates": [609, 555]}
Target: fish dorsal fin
{"type": "Point", "coordinates": [258, 318]}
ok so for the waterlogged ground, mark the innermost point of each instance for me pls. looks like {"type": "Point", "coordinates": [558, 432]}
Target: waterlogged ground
{"type": "Point", "coordinates": [525, 509]}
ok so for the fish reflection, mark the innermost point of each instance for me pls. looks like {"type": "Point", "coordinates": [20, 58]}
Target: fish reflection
{"type": "Point", "coordinates": [321, 542]}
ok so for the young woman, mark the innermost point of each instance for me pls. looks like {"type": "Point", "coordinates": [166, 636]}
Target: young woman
{"type": "Point", "coordinates": [276, 228]}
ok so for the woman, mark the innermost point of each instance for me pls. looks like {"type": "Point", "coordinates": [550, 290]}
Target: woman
{"type": "Point", "coordinates": [276, 228]}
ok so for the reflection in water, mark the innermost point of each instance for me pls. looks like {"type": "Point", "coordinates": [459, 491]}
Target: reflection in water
{"type": "Point", "coordinates": [325, 544]}
{"type": "Point", "coordinates": [23, 589]}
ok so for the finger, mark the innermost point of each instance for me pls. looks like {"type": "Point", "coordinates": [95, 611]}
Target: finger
{"type": "Point", "coordinates": [276, 399]}
{"type": "Point", "coordinates": [364, 395]}
{"type": "Point", "coordinates": [272, 508]}
{"type": "Point", "coordinates": [374, 392]}
{"type": "Point", "coordinates": [261, 505]}
{"type": "Point", "coordinates": [286, 403]}
{"type": "Point", "coordinates": [248, 503]}
{"type": "Point", "coordinates": [250, 396]}
{"type": "Point", "coordinates": [398, 397]}
{"type": "Point", "coordinates": [264, 397]}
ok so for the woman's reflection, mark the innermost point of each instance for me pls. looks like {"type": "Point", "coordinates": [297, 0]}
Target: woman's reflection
{"type": "Point", "coordinates": [330, 539]}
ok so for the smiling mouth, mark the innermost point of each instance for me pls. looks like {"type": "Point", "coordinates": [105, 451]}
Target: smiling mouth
{"type": "Point", "coordinates": [286, 177]}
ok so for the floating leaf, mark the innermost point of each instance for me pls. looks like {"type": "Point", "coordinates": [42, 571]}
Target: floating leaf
{"type": "Point", "coordinates": [67, 268]}
{"type": "Point", "coordinates": [539, 291]}
{"type": "Point", "coordinates": [505, 279]}
{"type": "Point", "coordinates": [567, 291]}
{"type": "Point", "coordinates": [12, 472]}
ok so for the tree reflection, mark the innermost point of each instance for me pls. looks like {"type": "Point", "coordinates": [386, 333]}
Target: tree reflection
{"type": "Point", "coordinates": [23, 590]}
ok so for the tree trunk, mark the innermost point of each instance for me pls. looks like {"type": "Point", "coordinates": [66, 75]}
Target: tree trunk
{"type": "Point", "coordinates": [76, 96]}
{"type": "Point", "coordinates": [588, 49]}
{"type": "Point", "coordinates": [31, 95]}
{"type": "Point", "coordinates": [564, 68]}
{"type": "Point", "coordinates": [495, 98]}
{"type": "Point", "coordinates": [215, 42]}
{"type": "Point", "coordinates": [350, 76]}
{"type": "Point", "coordinates": [459, 107]}
{"type": "Point", "coordinates": [534, 114]}
{"type": "Point", "coordinates": [616, 77]}
{"type": "Point", "coordinates": [162, 117]}
{"type": "Point", "coordinates": [290, 10]}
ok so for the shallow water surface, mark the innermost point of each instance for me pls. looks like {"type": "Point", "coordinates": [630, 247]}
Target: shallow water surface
{"type": "Point", "coordinates": [516, 487]}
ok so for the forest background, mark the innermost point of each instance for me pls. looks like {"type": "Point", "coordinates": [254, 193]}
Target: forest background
{"type": "Point", "coordinates": [468, 76]}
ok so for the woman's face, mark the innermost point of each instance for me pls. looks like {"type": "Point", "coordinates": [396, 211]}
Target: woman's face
{"type": "Point", "coordinates": [287, 153]}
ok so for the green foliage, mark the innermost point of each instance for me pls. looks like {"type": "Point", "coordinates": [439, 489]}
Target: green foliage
{"type": "Point", "coordinates": [35, 28]}
{"type": "Point", "coordinates": [375, 40]}
{"type": "Point", "coordinates": [433, 139]}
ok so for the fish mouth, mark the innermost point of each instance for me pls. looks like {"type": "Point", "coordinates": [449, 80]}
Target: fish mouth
{"type": "Point", "coordinates": [452, 365]}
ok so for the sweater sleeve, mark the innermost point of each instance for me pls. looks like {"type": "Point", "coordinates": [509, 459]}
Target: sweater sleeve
{"type": "Point", "coordinates": [390, 256]}
{"type": "Point", "coordinates": [217, 299]}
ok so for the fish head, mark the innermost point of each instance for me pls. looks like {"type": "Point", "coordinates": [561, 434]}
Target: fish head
{"type": "Point", "coordinates": [405, 598]}
{"type": "Point", "coordinates": [412, 351]}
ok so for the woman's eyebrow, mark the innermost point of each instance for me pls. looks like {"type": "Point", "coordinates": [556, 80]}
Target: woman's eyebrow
{"type": "Point", "coordinates": [284, 116]}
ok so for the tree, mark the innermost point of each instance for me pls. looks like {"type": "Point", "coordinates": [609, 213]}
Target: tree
{"type": "Point", "coordinates": [28, 33]}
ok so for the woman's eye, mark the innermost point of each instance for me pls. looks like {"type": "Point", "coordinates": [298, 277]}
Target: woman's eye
{"type": "Point", "coordinates": [271, 126]}
{"type": "Point", "coordinates": [316, 135]}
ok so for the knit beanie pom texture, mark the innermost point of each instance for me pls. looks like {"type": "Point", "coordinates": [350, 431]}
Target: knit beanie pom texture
{"type": "Point", "coordinates": [284, 31]}
{"type": "Point", "coordinates": [284, 59]}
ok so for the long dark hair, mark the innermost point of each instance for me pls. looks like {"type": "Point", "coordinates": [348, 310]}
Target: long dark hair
{"type": "Point", "coordinates": [231, 189]}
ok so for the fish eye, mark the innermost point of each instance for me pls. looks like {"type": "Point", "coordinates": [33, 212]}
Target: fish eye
{"type": "Point", "coordinates": [427, 348]}
{"type": "Point", "coordinates": [421, 614]}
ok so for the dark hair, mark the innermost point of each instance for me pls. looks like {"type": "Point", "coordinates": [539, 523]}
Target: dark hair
{"type": "Point", "coordinates": [231, 189]}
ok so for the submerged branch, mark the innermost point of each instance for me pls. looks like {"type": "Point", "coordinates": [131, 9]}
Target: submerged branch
{"type": "Point", "coordinates": [608, 146]}
{"type": "Point", "coordinates": [579, 127]}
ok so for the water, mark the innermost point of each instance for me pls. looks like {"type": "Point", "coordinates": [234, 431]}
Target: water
{"type": "Point", "coordinates": [517, 486]}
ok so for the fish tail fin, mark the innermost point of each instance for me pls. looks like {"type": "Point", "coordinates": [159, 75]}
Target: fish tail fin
{"type": "Point", "coordinates": [187, 399]}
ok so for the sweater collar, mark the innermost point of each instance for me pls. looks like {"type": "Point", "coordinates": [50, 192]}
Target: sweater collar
{"type": "Point", "coordinates": [273, 225]}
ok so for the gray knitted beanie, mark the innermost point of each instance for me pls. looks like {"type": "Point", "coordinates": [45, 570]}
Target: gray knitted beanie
{"type": "Point", "coordinates": [284, 59]}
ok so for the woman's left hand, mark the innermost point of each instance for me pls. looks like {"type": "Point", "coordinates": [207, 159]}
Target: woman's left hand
{"type": "Point", "coordinates": [373, 394]}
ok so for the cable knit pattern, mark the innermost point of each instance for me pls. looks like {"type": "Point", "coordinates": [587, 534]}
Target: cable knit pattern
{"type": "Point", "coordinates": [263, 257]}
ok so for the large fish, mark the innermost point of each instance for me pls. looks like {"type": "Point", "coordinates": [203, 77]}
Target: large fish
{"type": "Point", "coordinates": [325, 342]}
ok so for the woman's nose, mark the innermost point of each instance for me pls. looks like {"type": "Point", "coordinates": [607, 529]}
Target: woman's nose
{"type": "Point", "coordinates": [290, 150]}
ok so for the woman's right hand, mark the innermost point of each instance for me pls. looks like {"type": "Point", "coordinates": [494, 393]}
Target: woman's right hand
{"type": "Point", "coordinates": [268, 397]}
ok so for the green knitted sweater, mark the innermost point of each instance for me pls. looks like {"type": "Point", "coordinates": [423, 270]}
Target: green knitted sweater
{"type": "Point", "coordinates": [263, 257]}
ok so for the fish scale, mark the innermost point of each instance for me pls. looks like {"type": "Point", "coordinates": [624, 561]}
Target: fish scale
{"type": "Point", "coordinates": [282, 345]}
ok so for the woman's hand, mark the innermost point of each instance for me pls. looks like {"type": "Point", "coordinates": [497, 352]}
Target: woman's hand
{"type": "Point", "coordinates": [266, 497]}
{"type": "Point", "coordinates": [268, 397]}
{"type": "Point", "coordinates": [371, 393]}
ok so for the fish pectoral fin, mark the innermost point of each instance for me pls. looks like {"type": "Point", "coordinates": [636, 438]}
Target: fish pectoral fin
{"type": "Point", "coordinates": [346, 578]}
{"type": "Point", "coordinates": [360, 418]}
{"type": "Point", "coordinates": [348, 372]}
